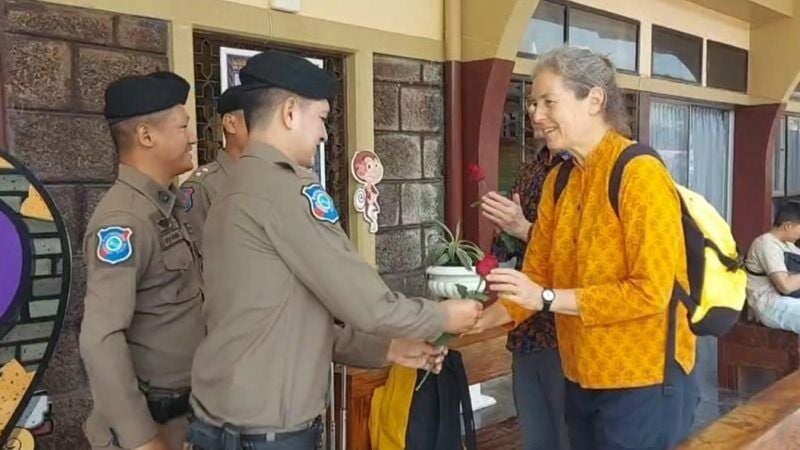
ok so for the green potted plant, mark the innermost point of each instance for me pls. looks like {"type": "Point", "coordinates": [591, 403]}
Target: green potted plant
{"type": "Point", "coordinates": [451, 262]}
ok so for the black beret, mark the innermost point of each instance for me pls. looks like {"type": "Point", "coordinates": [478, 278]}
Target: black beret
{"type": "Point", "coordinates": [290, 72]}
{"type": "Point", "coordinates": [231, 100]}
{"type": "Point", "coordinates": [137, 95]}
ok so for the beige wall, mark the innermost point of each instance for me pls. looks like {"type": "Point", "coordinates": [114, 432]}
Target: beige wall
{"type": "Point", "coordinates": [422, 18]}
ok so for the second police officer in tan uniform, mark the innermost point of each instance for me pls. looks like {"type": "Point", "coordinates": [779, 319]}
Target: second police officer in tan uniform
{"type": "Point", "coordinates": [278, 269]}
{"type": "Point", "coordinates": [205, 182]}
{"type": "Point", "coordinates": [142, 319]}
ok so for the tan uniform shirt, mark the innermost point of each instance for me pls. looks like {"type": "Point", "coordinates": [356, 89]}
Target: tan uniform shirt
{"type": "Point", "coordinates": [766, 256]}
{"type": "Point", "coordinates": [142, 317]}
{"type": "Point", "coordinates": [200, 189]}
{"type": "Point", "coordinates": [277, 270]}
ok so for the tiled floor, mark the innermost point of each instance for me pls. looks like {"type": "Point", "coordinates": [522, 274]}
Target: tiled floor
{"type": "Point", "coordinates": [714, 402]}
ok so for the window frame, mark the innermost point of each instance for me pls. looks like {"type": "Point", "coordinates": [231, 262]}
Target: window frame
{"type": "Point", "coordinates": [681, 34]}
{"type": "Point", "coordinates": [785, 193]}
{"type": "Point", "coordinates": [568, 6]}
{"type": "Point", "coordinates": [709, 44]}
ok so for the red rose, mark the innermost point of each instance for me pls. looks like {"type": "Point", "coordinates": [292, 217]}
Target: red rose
{"type": "Point", "coordinates": [486, 265]}
{"type": "Point", "coordinates": [475, 173]}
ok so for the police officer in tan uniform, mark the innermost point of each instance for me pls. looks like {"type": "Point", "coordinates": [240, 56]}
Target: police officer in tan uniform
{"type": "Point", "coordinates": [204, 183]}
{"type": "Point", "coordinates": [278, 269]}
{"type": "Point", "coordinates": [142, 319]}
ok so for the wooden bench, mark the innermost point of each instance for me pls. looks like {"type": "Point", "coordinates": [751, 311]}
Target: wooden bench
{"type": "Point", "coordinates": [485, 357]}
{"type": "Point", "coordinates": [770, 420]}
{"type": "Point", "coordinates": [750, 344]}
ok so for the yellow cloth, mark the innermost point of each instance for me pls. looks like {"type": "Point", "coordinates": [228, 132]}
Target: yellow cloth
{"type": "Point", "coordinates": [623, 269]}
{"type": "Point", "coordinates": [389, 409]}
{"type": "Point", "coordinates": [14, 381]}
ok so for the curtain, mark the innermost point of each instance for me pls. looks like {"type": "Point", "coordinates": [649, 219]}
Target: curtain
{"type": "Point", "coordinates": [709, 155]}
{"type": "Point", "coordinates": [669, 134]}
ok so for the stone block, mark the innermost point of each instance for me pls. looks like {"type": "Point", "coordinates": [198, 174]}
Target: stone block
{"type": "Point", "coordinates": [77, 293]}
{"type": "Point", "coordinates": [386, 106]}
{"type": "Point", "coordinates": [400, 154]}
{"type": "Point", "coordinates": [433, 157]}
{"type": "Point", "coordinates": [432, 73]}
{"type": "Point", "coordinates": [398, 250]}
{"type": "Point", "coordinates": [422, 202]}
{"type": "Point", "coordinates": [97, 67]}
{"type": "Point", "coordinates": [389, 201]}
{"type": "Point", "coordinates": [141, 33]}
{"type": "Point", "coordinates": [416, 285]}
{"type": "Point", "coordinates": [386, 68]}
{"type": "Point", "coordinates": [421, 108]}
{"type": "Point", "coordinates": [69, 201]}
{"type": "Point", "coordinates": [395, 282]}
{"type": "Point", "coordinates": [75, 24]}
{"type": "Point", "coordinates": [58, 148]}
{"type": "Point", "coordinates": [65, 372]}
{"type": "Point", "coordinates": [39, 73]}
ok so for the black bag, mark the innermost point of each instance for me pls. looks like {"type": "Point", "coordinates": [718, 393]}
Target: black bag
{"type": "Point", "coordinates": [434, 421]}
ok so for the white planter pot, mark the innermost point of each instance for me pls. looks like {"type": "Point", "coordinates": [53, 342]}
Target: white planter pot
{"type": "Point", "coordinates": [442, 280]}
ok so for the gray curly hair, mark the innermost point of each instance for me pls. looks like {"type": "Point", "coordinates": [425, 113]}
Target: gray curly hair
{"type": "Point", "coordinates": [582, 70]}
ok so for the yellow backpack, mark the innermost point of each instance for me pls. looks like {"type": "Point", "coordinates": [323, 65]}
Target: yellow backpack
{"type": "Point", "coordinates": [717, 278]}
{"type": "Point", "coordinates": [437, 416]}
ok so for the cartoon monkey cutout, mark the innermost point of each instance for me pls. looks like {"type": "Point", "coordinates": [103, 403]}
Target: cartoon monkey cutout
{"type": "Point", "coordinates": [367, 169]}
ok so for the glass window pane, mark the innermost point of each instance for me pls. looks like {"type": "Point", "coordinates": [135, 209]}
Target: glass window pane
{"type": "Point", "coordinates": [779, 164]}
{"type": "Point", "coordinates": [511, 137]}
{"type": "Point", "coordinates": [793, 157]}
{"type": "Point", "coordinates": [604, 35]}
{"type": "Point", "coordinates": [676, 55]}
{"type": "Point", "coordinates": [727, 67]}
{"type": "Point", "coordinates": [545, 30]}
{"type": "Point", "coordinates": [669, 134]}
{"type": "Point", "coordinates": [709, 155]}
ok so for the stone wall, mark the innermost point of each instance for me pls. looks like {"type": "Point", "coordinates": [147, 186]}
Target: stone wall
{"type": "Point", "coordinates": [409, 124]}
{"type": "Point", "coordinates": [57, 62]}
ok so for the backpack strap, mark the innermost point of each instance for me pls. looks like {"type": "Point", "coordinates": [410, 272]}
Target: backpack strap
{"type": "Point", "coordinates": [615, 182]}
{"type": "Point", "coordinates": [562, 178]}
{"type": "Point", "coordinates": [465, 401]}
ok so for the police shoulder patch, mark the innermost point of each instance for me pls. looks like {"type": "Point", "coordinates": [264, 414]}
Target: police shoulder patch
{"type": "Point", "coordinates": [114, 244]}
{"type": "Point", "coordinates": [188, 198]}
{"type": "Point", "coordinates": [320, 203]}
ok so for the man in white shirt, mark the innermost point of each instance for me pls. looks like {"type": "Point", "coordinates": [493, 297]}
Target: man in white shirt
{"type": "Point", "coordinates": [772, 287]}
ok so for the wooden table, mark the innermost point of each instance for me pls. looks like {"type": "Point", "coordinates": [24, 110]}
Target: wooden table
{"type": "Point", "coordinates": [485, 357]}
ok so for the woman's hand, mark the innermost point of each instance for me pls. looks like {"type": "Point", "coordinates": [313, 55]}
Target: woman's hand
{"type": "Point", "coordinates": [515, 286]}
{"type": "Point", "coordinates": [506, 214]}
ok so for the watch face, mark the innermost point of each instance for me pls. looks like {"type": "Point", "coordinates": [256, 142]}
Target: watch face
{"type": "Point", "coordinates": [548, 295]}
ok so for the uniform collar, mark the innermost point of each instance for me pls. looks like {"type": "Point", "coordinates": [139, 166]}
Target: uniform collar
{"type": "Point", "coordinates": [164, 199]}
{"type": "Point", "coordinates": [224, 160]}
{"type": "Point", "coordinates": [269, 153]}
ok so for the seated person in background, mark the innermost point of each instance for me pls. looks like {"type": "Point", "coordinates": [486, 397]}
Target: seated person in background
{"type": "Point", "coordinates": [773, 272]}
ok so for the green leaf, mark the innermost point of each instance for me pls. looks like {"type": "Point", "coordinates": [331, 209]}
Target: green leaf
{"type": "Point", "coordinates": [443, 259]}
{"type": "Point", "coordinates": [443, 340]}
{"type": "Point", "coordinates": [463, 258]}
{"type": "Point", "coordinates": [477, 295]}
{"type": "Point", "coordinates": [462, 291]}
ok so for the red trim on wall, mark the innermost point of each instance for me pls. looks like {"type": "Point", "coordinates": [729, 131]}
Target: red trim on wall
{"type": "Point", "coordinates": [484, 86]}
{"type": "Point", "coordinates": [753, 152]}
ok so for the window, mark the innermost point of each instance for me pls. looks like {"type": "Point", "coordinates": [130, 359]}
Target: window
{"type": "Point", "coordinates": [695, 143]}
{"type": "Point", "coordinates": [726, 67]}
{"type": "Point", "coordinates": [677, 55]}
{"type": "Point", "coordinates": [786, 179]}
{"type": "Point", "coordinates": [545, 30]}
{"type": "Point", "coordinates": [516, 139]}
{"type": "Point", "coordinates": [554, 25]}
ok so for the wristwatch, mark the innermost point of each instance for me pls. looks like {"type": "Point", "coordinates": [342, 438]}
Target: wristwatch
{"type": "Point", "coordinates": [548, 295]}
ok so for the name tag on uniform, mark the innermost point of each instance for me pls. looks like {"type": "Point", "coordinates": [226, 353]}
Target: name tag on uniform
{"type": "Point", "coordinates": [169, 232]}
